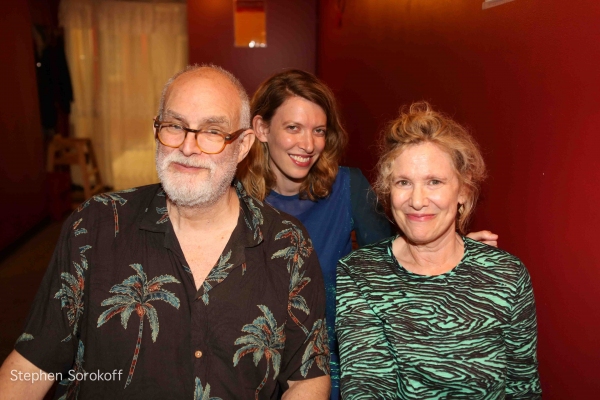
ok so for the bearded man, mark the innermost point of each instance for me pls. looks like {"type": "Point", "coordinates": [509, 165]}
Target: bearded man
{"type": "Point", "coordinates": [187, 289]}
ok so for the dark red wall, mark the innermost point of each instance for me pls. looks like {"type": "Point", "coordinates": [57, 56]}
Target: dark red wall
{"type": "Point", "coordinates": [525, 77]}
{"type": "Point", "coordinates": [22, 168]}
{"type": "Point", "coordinates": [291, 39]}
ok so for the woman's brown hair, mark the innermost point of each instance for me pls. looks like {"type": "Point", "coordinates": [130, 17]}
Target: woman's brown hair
{"type": "Point", "coordinates": [423, 125]}
{"type": "Point", "coordinates": [255, 172]}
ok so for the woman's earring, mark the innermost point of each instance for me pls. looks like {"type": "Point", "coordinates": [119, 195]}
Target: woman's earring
{"type": "Point", "coordinates": [461, 209]}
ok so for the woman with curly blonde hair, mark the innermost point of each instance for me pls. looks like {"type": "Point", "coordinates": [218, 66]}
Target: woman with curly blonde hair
{"type": "Point", "coordinates": [430, 313]}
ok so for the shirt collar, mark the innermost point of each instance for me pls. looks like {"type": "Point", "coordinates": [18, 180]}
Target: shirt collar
{"type": "Point", "coordinates": [155, 217]}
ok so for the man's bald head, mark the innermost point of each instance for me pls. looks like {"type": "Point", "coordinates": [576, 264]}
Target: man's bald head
{"type": "Point", "coordinates": [207, 70]}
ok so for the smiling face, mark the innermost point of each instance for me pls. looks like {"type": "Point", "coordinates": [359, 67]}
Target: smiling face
{"type": "Point", "coordinates": [425, 193]}
{"type": "Point", "coordinates": [296, 139]}
{"type": "Point", "coordinates": [200, 99]}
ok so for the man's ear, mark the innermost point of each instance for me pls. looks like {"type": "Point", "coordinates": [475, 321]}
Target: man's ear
{"type": "Point", "coordinates": [246, 142]}
{"type": "Point", "coordinates": [261, 128]}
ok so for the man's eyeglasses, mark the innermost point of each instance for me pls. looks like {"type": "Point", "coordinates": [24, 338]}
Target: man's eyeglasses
{"type": "Point", "coordinates": [210, 141]}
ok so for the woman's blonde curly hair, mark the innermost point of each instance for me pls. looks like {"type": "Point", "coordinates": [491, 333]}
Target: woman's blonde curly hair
{"type": "Point", "coordinates": [420, 124]}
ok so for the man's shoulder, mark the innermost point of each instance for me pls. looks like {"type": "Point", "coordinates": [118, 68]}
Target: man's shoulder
{"type": "Point", "coordinates": [268, 219]}
{"type": "Point", "coordinates": [276, 220]}
{"type": "Point", "coordinates": [120, 205]}
{"type": "Point", "coordinates": [276, 225]}
{"type": "Point", "coordinates": [133, 196]}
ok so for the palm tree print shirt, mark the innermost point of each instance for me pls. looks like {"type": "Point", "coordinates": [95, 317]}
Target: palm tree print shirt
{"type": "Point", "coordinates": [118, 314]}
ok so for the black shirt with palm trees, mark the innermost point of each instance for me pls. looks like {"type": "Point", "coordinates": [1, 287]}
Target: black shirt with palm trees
{"type": "Point", "coordinates": [118, 314]}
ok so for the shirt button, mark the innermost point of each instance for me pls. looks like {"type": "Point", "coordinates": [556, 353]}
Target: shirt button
{"type": "Point", "coordinates": [198, 354]}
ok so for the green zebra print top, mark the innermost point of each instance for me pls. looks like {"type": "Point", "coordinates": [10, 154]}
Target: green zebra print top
{"type": "Point", "coordinates": [467, 334]}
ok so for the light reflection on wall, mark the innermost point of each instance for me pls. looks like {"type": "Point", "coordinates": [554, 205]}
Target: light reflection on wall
{"type": "Point", "coordinates": [249, 18]}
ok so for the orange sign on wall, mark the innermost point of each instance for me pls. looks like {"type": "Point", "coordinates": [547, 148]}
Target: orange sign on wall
{"type": "Point", "coordinates": [250, 19]}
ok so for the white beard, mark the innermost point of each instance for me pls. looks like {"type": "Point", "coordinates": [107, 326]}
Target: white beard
{"type": "Point", "coordinates": [191, 190]}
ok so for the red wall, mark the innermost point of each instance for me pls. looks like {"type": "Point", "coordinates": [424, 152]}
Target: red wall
{"type": "Point", "coordinates": [524, 77]}
{"type": "Point", "coordinates": [22, 168]}
{"type": "Point", "coordinates": [291, 39]}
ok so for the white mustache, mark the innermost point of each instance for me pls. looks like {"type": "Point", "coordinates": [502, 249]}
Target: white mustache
{"type": "Point", "coordinates": [188, 161]}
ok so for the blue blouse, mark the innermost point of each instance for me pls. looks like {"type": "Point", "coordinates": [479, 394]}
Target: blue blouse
{"type": "Point", "coordinates": [351, 206]}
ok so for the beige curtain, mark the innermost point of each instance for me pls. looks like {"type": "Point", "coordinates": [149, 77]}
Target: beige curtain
{"type": "Point", "coordinates": [120, 55]}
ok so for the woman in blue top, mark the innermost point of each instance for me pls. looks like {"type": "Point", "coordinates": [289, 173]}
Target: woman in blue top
{"type": "Point", "coordinates": [294, 166]}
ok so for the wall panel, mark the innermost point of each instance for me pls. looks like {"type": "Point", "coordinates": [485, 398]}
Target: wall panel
{"type": "Point", "coordinates": [22, 169]}
{"type": "Point", "coordinates": [291, 39]}
{"type": "Point", "coordinates": [524, 77]}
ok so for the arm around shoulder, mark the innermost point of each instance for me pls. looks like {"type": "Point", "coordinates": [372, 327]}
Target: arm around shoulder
{"type": "Point", "coordinates": [486, 237]}
{"type": "Point", "coordinates": [20, 379]}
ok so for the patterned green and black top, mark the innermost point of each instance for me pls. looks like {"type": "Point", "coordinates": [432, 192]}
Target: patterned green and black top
{"type": "Point", "coordinates": [467, 334]}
